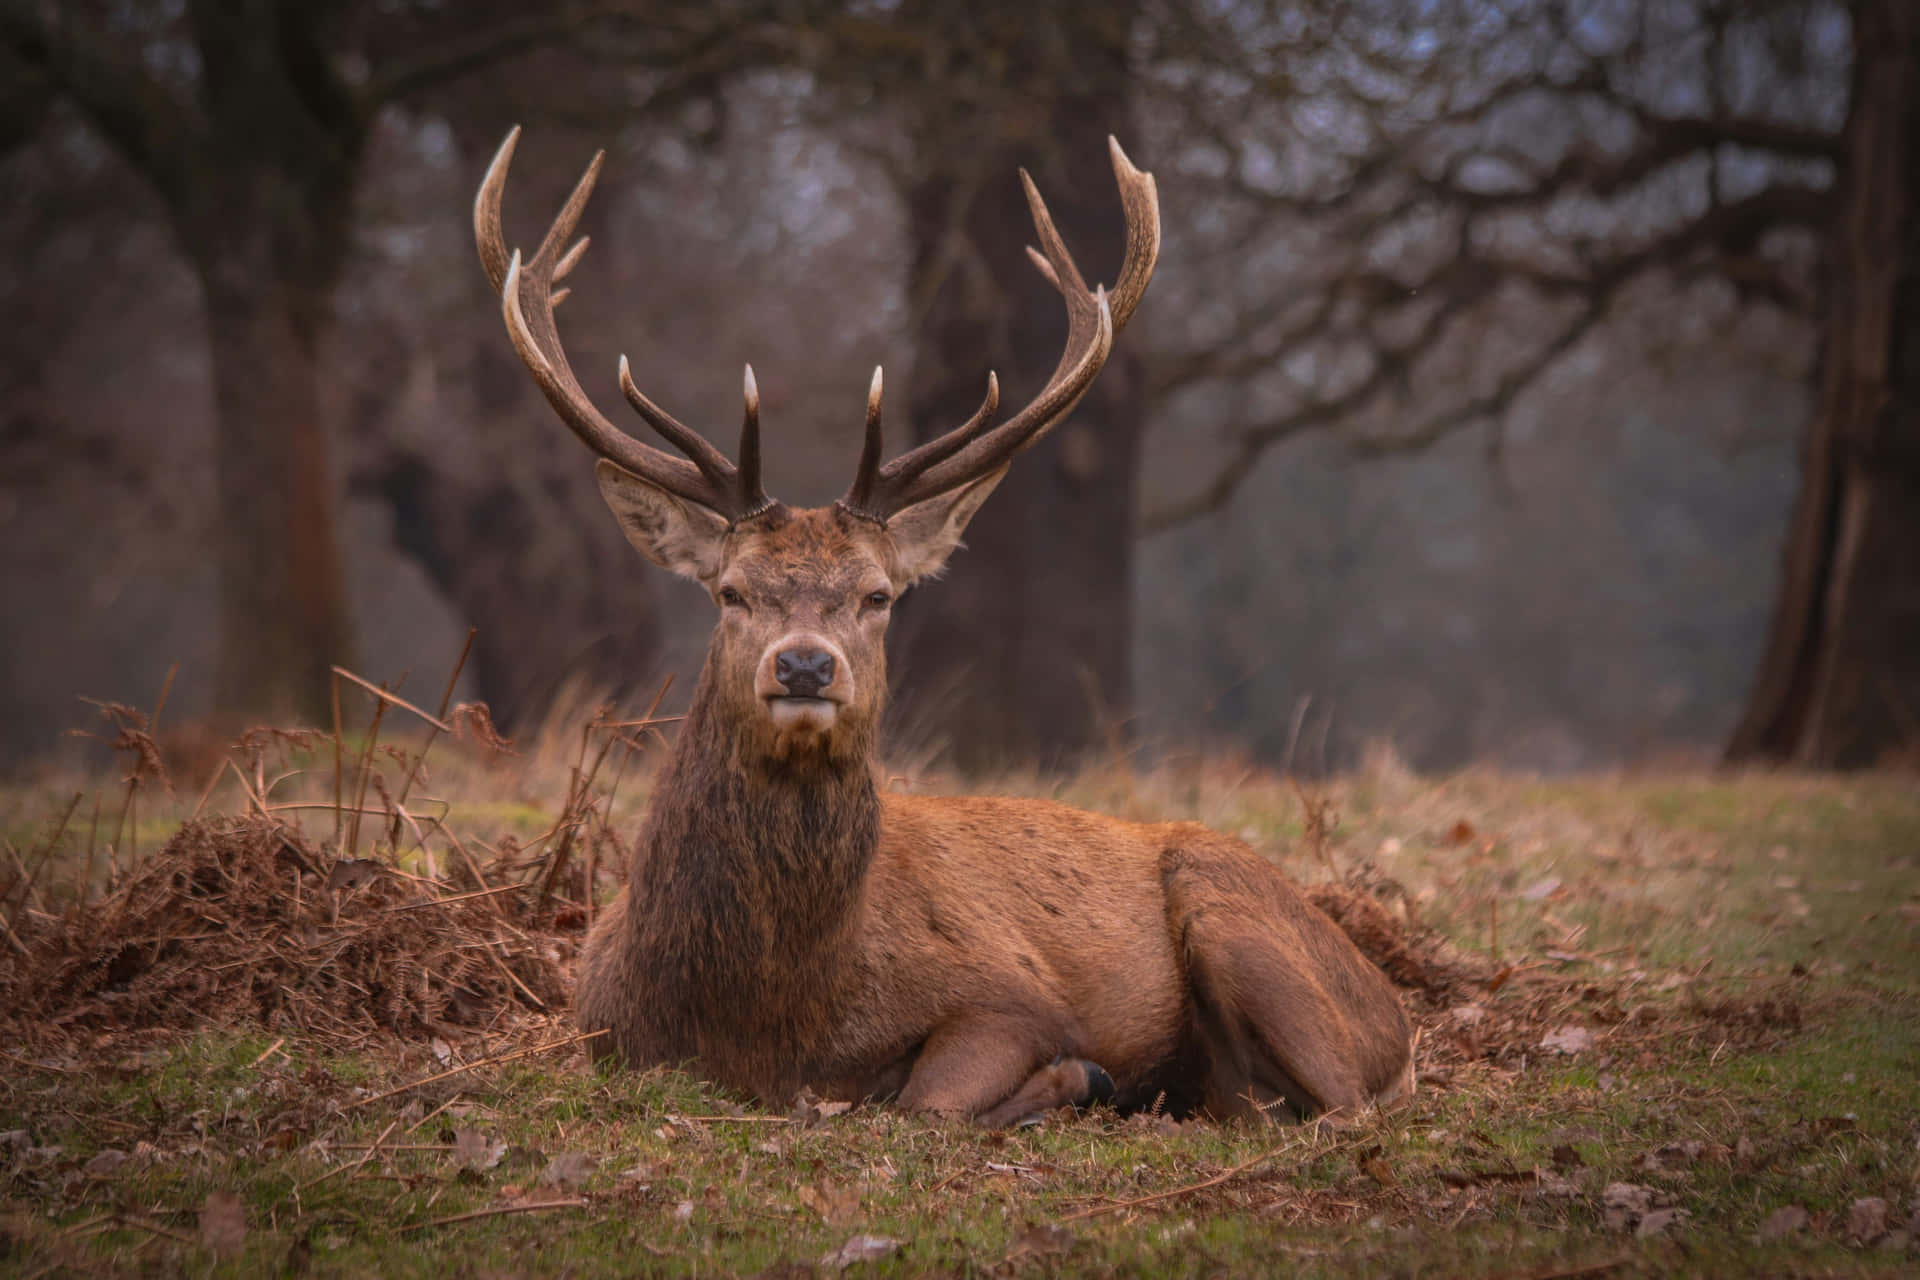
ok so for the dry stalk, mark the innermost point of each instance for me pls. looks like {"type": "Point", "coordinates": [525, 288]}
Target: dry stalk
{"type": "Point", "coordinates": [365, 770]}
{"type": "Point", "coordinates": [496, 1211]}
{"type": "Point", "coordinates": [1318, 818]}
{"type": "Point", "coordinates": [496, 1060]}
{"type": "Point", "coordinates": [406, 786]}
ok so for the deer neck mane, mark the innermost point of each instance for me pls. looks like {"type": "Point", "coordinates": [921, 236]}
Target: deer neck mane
{"type": "Point", "coordinates": [747, 888]}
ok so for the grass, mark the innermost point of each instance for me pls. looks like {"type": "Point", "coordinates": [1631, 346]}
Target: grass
{"type": "Point", "coordinates": [1742, 954]}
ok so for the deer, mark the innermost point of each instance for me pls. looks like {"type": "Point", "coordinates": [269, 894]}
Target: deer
{"type": "Point", "coordinates": [788, 924]}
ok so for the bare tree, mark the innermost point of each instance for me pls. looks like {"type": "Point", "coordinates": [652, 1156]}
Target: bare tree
{"type": "Point", "coordinates": [251, 122]}
{"type": "Point", "coordinates": [1840, 683]}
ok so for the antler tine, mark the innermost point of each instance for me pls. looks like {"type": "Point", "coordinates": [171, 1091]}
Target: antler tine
{"type": "Point", "coordinates": [860, 492]}
{"type": "Point", "coordinates": [1093, 319]}
{"type": "Point", "coordinates": [754, 497]}
{"type": "Point", "coordinates": [528, 298]}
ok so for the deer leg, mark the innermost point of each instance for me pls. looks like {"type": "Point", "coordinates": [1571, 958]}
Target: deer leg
{"type": "Point", "coordinates": [1289, 1013]}
{"type": "Point", "coordinates": [998, 1072]}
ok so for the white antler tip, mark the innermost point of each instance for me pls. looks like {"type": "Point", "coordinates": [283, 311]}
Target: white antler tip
{"type": "Point", "coordinates": [752, 390]}
{"type": "Point", "coordinates": [873, 389]}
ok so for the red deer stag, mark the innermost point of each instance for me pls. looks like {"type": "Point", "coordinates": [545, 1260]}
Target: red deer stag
{"type": "Point", "coordinates": [785, 924]}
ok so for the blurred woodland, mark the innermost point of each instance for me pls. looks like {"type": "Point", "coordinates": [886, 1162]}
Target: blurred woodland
{"type": "Point", "coordinates": [1535, 381]}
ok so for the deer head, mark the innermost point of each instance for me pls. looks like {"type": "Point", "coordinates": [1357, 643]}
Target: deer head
{"type": "Point", "coordinates": [798, 660]}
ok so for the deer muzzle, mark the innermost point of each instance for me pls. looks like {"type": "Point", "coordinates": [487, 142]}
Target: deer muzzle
{"type": "Point", "coordinates": [804, 680]}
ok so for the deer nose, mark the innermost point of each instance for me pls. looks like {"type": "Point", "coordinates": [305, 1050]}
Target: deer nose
{"type": "Point", "coordinates": [803, 673]}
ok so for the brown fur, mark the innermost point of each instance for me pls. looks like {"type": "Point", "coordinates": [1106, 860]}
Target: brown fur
{"type": "Point", "coordinates": [787, 925]}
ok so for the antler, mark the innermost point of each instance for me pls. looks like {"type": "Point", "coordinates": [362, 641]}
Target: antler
{"type": "Point", "coordinates": [977, 447]}
{"type": "Point", "coordinates": [527, 300]}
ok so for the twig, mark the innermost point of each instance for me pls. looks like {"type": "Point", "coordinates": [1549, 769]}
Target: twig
{"type": "Point", "coordinates": [53, 841]}
{"type": "Point", "coordinates": [365, 771]}
{"type": "Point", "coordinates": [445, 699]}
{"type": "Point", "coordinates": [677, 1119]}
{"type": "Point", "coordinates": [496, 1211]}
{"type": "Point", "coordinates": [386, 696]}
{"type": "Point", "coordinates": [358, 1164]}
{"type": "Point", "coordinates": [472, 1066]}
{"type": "Point", "coordinates": [333, 684]}
{"type": "Point", "coordinates": [268, 1052]}
{"type": "Point", "coordinates": [36, 1066]}
{"type": "Point", "coordinates": [421, 1122]}
{"type": "Point", "coordinates": [13, 937]}
{"type": "Point", "coordinates": [141, 1224]}
{"type": "Point", "coordinates": [93, 834]}
{"type": "Point", "coordinates": [458, 897]}
{"type": "Point", "coordinates": [1202, 1185]}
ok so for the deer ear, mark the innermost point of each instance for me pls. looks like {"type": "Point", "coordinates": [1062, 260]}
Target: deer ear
{"type": "Point", "coordinates": [926, 533]}
{"type": "Point", "coordinates": [673, 534]}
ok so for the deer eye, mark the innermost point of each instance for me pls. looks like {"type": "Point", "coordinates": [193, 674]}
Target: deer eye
{"type": "Point", "coordinates": [731, 598]}
{"type": "Point", "coordinates": [879, 599]}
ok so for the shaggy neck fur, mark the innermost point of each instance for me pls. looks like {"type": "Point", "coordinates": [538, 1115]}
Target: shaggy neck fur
{"type": "Point", "coordinates": [746, 895]}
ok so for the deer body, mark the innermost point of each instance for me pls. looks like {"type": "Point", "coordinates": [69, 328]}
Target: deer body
{"type": "Point", "coordinates": [786, 925]}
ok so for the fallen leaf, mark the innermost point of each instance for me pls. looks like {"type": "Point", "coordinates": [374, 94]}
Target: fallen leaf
{"type": "Point", "coordinates": [683, 1212]}
{"type": "Point", "coordinates": [1380, 1171]}
{"type": "Point", "coordinates": [1567, 1156]}
{"type": "Point", "coordinates": [1867, 1219]}
{"type": "Point", "coordinates": [1045, 1240]}
{"type": "Point", "coordinates": [860, 1248]}
{"type": "Point", "coordinates": [1657, 1222]}
{"type": "Point", "coordinates": [835, 1205]}
{"type": "Point", "coordinates": [104, 1164]}
{"type": "Point", "coordinates": [473, 1149]}
{"type": "Point", "coordinates": [1543, 890]}
{"type": "Point", "coordinates": [1782, 1223]}
{"type": "Point", "coordinates": [1623, 1204]}
{"type": "Point", "coordinates": [1673, 1155]}
{"type": "Point", "coordinates": [568, 1170]}
{"type": "Point", "coordinates": [223, 1224]}
{"type": "Point", "coordinates": [1460, 832]}
{"type": "Point", "coordinates": [1568, 1040]}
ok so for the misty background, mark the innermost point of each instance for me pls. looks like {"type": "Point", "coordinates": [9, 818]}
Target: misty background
{"type": "Point", "coordinates": [1466, 411]}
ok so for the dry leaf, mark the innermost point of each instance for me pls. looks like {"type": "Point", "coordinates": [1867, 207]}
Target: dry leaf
{"type": "Point", "coordinates": [568, 1170]}
{"type": "Point", "coordinates": [105, 1163]}
{"type": "Point", "coordinates": [1657, 1222]}
{"type": "Point", "coordinates": [1542, 891]}
{"type": "Point", "coordinates": [1623, 1204]}
{"type": "Point", "coordinates": [473, 1149]}
{"type": "Point", "coordinates": [1379, 1170]}
{"type": "Point", "coordinates": [1042, 1241]}
{"type": "Point", "coordinates": [835, 1205]}
{"type": "Point", "coordinates": [1568, 1040]}
{"type": "Point", "coordinates": [1782, 1223]}
{"type": "Point", "coordinates": [861, 1248]}
{"type": "Point", "coordinates": [1867, 1219]}
{"type": "Point", "coordinates": [223, 1224]}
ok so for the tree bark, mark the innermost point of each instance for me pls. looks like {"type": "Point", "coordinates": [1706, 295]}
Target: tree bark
{"type": "Point", "coordinates": [1839, 685]}
{"type": "Point", "coordinates": [1023, 654]}
{"type": "Point", "coordinates": [283, 601]}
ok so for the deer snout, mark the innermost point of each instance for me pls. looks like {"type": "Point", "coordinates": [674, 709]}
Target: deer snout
{"type": "Point", "coordinates": [803, 673]}
{"type": "Point", "coordinates": [803, 669]}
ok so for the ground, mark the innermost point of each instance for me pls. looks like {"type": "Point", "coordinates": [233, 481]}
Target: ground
{"type": "Point", "coordinates": [1670, 1024]}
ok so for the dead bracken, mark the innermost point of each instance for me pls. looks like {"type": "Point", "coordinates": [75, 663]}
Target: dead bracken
{"type": "Point", "coordinates": [240, 919]}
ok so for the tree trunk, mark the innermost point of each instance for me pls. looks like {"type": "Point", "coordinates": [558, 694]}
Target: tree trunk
{"type": "Point", "coordinates": [1840, 683]}
{"type": "Point", "coordinates": [283, 612]}
{"type": "Point", "coordinates": [1023, 653]}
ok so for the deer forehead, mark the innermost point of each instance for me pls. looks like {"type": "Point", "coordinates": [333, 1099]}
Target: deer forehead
{"type": "Point", "coordinates": [811, 555]}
